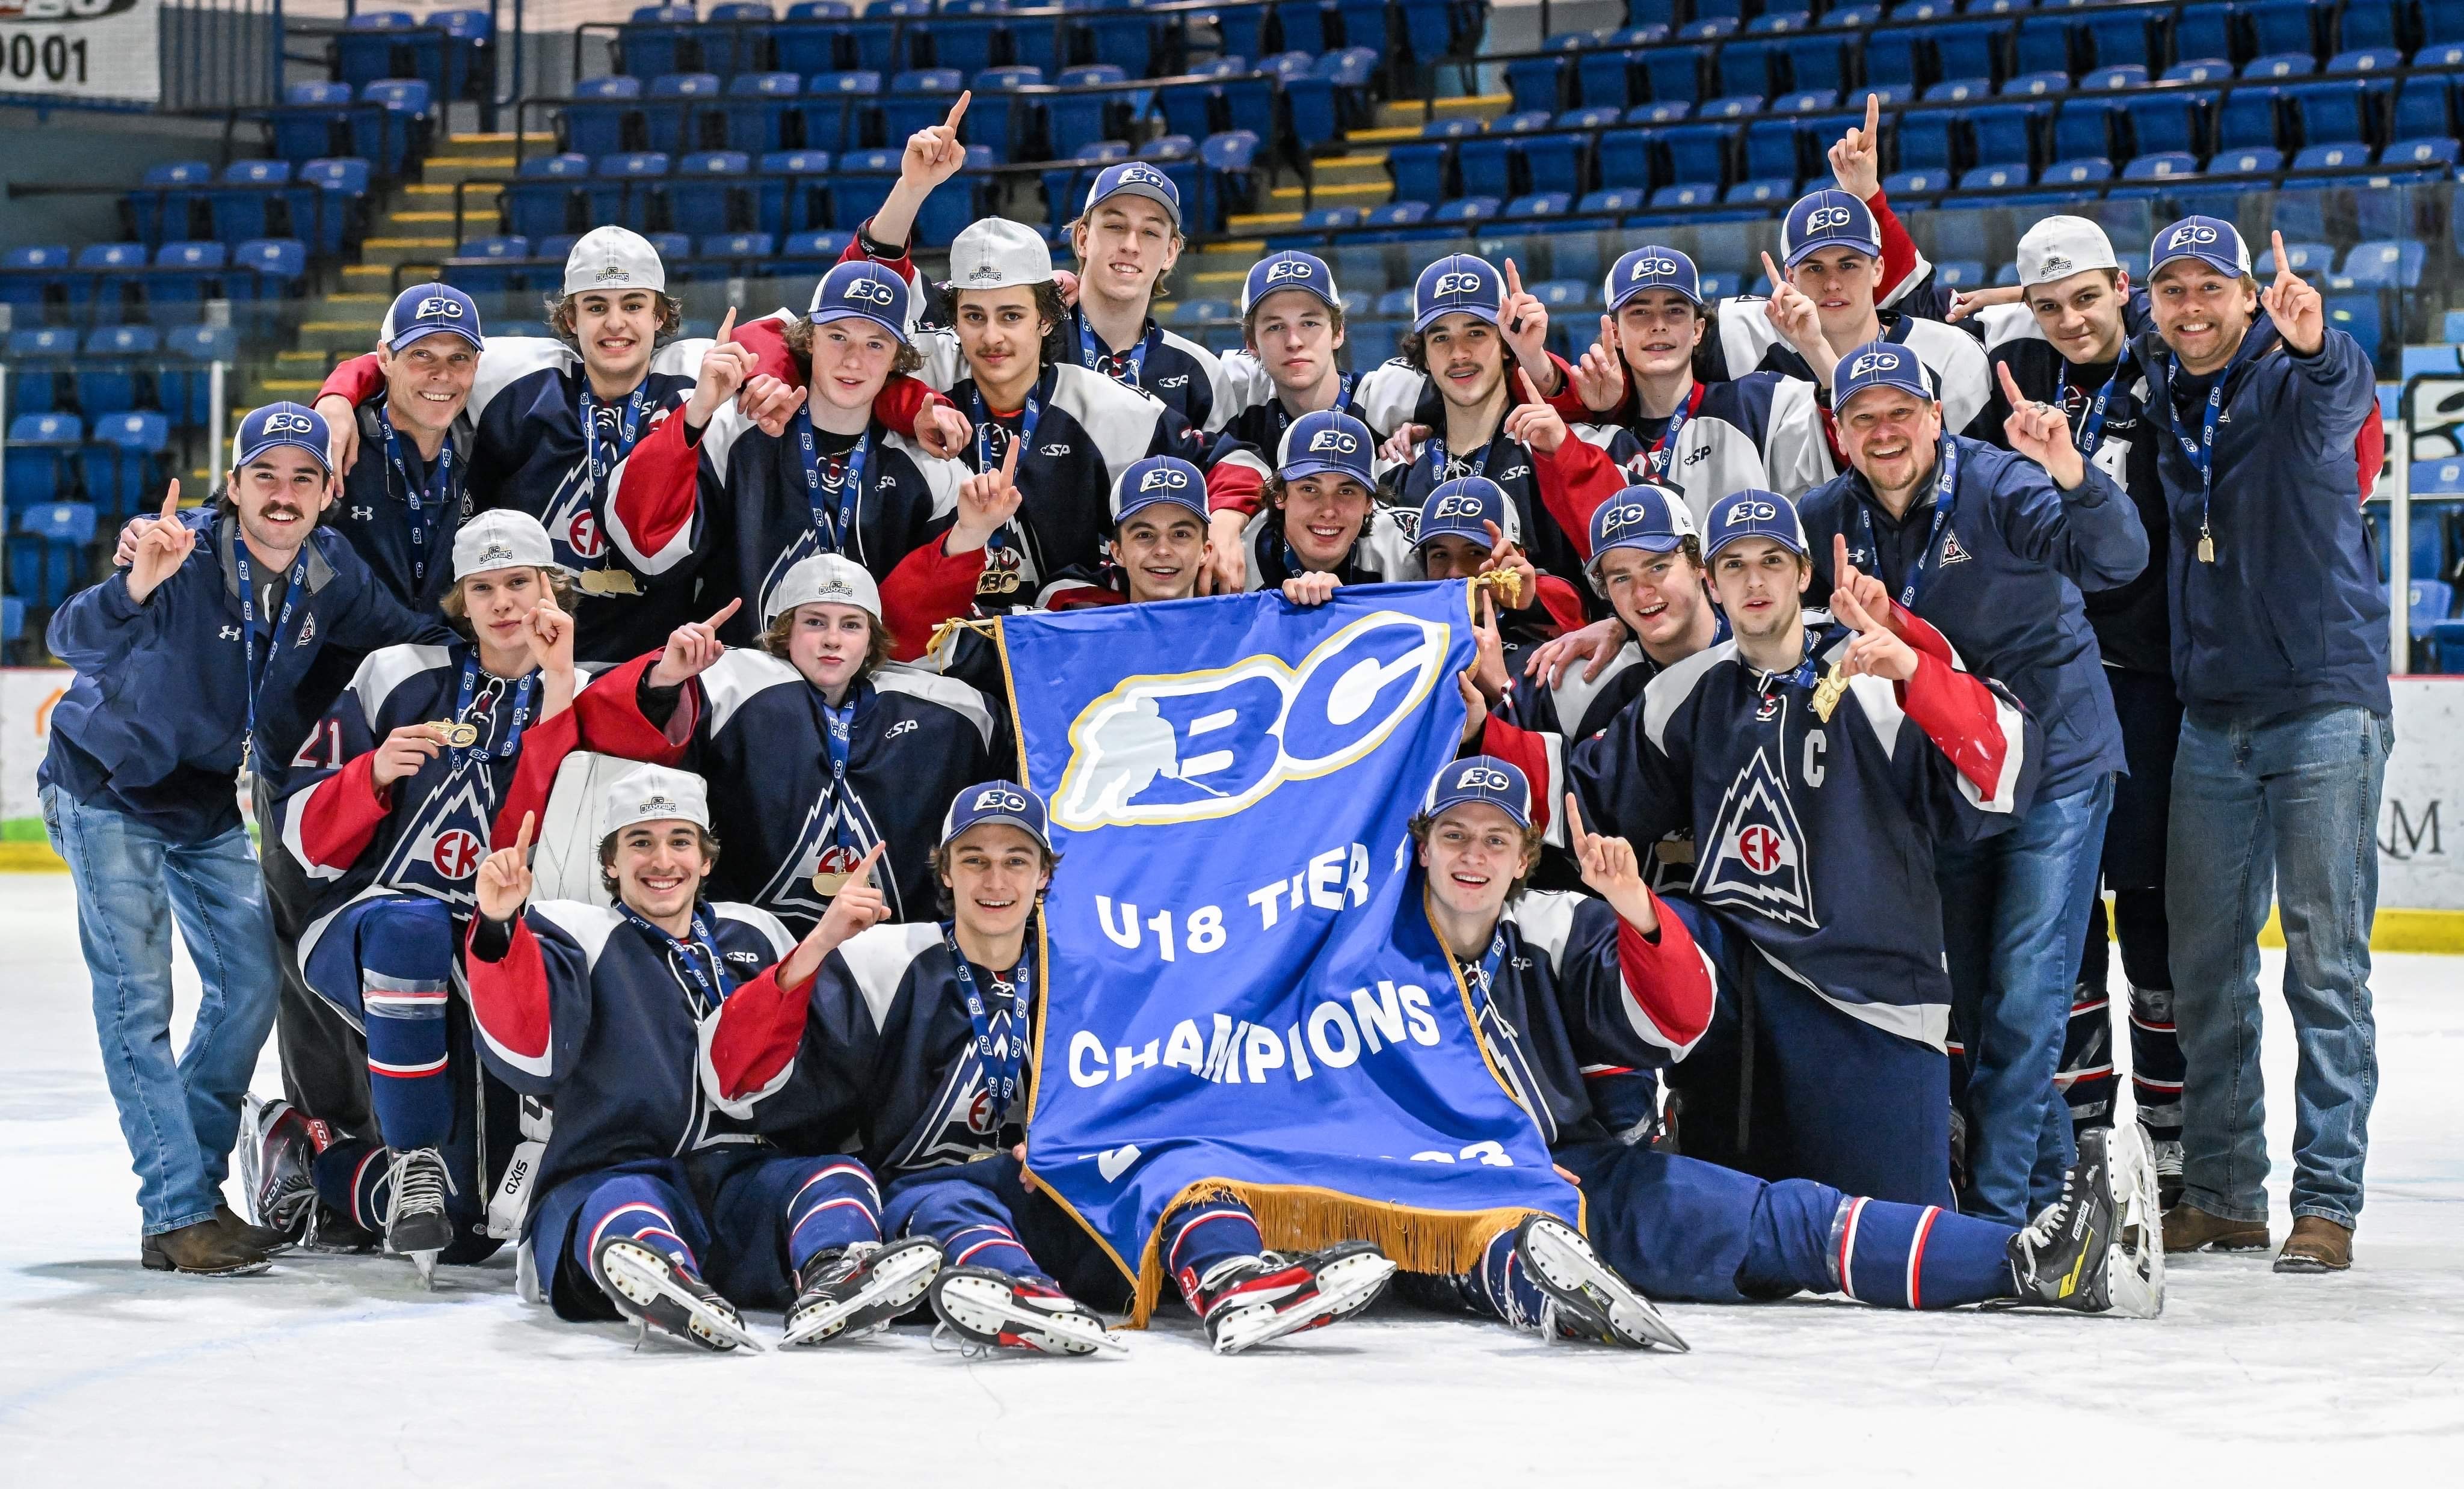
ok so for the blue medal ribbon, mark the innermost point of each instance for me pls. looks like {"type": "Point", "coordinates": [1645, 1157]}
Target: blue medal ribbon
{"type": "Point", "coordinates": [838, 731]}
{"type": "Point", "coordinates": [2092, 428]}
{"type": "Point", "coordinates": [833, 537]}
{"type": "Point", "coordinates": [1027, 415]}
{"type": "Point", "coordinates": [293, 588]}
{"type": "Point", "coordinates": [1505, 1044]}
{"type": "Point", "coordinates": [625, 419]}
{"type": "Point", "coordinates": [1001, 1034]}
{"type": "Point", "coordinates": [1283, 415]}
{"type": "Point", "coordinates": [469, 694]}
{"type": "Point", "coordinates": [1665, 449]}
{"type": "Point", "coordinates": [1945, 498]}
{"type": "Point", "coordinates": [1438, 464]}
{"type": "Point", "coordinates": [2202, 454]}
{"type": "Point", "coordinates": [714, 985]}
{"type": "Point", "coordinates": [1115, 364]}
{"type": "Point", "coordinates": [428, 503]}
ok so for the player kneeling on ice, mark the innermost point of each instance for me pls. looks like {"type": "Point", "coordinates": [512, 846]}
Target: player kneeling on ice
{"type": "Point", "coordinates": [656, 1203]}
{"type": "Point", "coordinates": [911, 1051]}
{"type": "Point", "coordinates": [1568, 988]}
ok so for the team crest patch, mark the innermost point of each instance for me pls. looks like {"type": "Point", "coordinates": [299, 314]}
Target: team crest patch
{"type": "Point", "coordinates": [307, 630]}
{"type": "Point", "coordinates": [1952, 551]}
{"type": "Point", "coordinates": [1757, 854]}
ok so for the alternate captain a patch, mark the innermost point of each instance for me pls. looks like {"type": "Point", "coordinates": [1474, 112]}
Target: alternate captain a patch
{"type": "Point", "coordinates": [1757, 856]}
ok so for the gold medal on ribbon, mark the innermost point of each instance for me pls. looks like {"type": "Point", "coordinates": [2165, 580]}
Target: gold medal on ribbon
{"type": "Point", "coordinates": [1828, 692]}
{"type": "Point", "coordinates": [459, 737]}
{"type": "Point", "coordinates": [608, 581]}
{"type": "Point", "coordinates": [827, 884]}
{"type": "Point", "coordinates": [2207, 549]}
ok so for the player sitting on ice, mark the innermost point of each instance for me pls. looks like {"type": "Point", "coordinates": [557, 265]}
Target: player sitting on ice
{"type": "Point", "coordinates": [817, 749]}
{"type": "Point", "coordinates": [1566, 985]}
{"type": "Point", "coordinates": [387, 812]}
{"type": "Point", "coordinates": [911, 1052]}
{"type": "Point", "coordinates": [652, 1204]}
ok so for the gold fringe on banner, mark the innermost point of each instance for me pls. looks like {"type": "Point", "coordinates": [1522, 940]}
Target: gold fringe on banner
{"type": "Point", "coordinates": [1301, 1217]}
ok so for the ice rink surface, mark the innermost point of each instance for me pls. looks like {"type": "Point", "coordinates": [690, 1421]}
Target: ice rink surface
{"type": "Point", "coordinates": [334, 1371]}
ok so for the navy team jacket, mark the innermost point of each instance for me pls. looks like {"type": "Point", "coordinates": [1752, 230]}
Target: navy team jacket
{"type": "Point", "coordinates": [1815, 839]}
{"type": "Point", "coordinates": [2004, 587]}
{"type": "Point", "coordinates": [152, 725]}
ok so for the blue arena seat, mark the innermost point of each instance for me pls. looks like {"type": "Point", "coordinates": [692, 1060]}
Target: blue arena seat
{"type": "Point", "coordinates": [2282, 26]}
{"type": "Point", "coordinates": [2247, 119]}
{"type": "Point", "coordinates": [2383, 264]}
{"type": "Point", "coordinates": [673, 110]}
{"type": "Point", "coordinates": [757, 110]}
{"type": "Point", "coordinates": [834, 107]}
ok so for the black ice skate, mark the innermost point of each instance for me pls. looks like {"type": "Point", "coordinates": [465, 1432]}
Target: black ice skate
{"type": "Point", "coordinates": [1586, 1300]}
{"type": "Point", "coordinates": [1255, 1299]}
{"type": "Point", "coordinates": [2100, 1248]}
{"type": "Point", "coordinates": [276, 1150]}
{"type": "Point", "coordinates": [990, 1310]}
{"type": "Point", "coordinates": [416, 1224]}
{"type": "Point", "coordinates": [654, 1293]}
{"type": "Point", "coordinates": [858, 1290]}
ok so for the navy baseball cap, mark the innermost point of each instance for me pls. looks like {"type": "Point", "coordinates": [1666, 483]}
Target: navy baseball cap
{"type": "Point", "coordinates": [1329, 442]}
{"type": "Point", "coordinates": [1137, 178]}
{"type": "Point", "coordinates": [1482, 777]}
{"type": "Point", "coordinates": [426, 309]}
{"type": "Point", "coordinates": [1754, 513]}
{"type": "Point", "coordinates": [1003, 801]}
{"type": "Point", "coordinates": [1652, 268]}
{"type": "Point", "coordinates": [1458, 284]}
{"type": "Point", "coordinates": [1828, 218]}
{"type": "Point", "coordinates": [281, 424]}
{"type": "Point", "coordinates": [1159, 478]}
{"type": "Point", "coordinates": [862, 291]}
{"type": "Point", "coordinates": [1457, 507]}
{"type": "Point", "coordinates": [2210, 240]}
{"type": "Point", "coordinates": [1879, 365]}
{"type": "Point", "coordinates": [1277, 272]}
{"type": "Point", "coordinates": [1653, 519]}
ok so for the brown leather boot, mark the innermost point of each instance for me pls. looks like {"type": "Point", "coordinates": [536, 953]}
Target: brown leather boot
{"type": "Point", "coordinates": [2190, 1228]}
{"type": "Point", "coordinates": [205, 1249]}
{"type": "Point", "coordinates": [259, 1238]}
{"type": "Point", "coordinates": [2317, 1244]}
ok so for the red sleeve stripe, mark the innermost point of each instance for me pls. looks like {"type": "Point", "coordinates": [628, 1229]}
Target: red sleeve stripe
{"type": "Point", "coordinates": [1980, 731]}
{"type": "Point", "coordinates": [1235, 483]}
{"type": "Point", "coordinates": [929, 586]}
{"type": "Point", "coordinates": [651, 495]}
{"type": "Point", "coordinates": [1667, 983]}
{"type": "Point", "coordinates": [753, 1044]}
{"type": "Point", "coordinates": [329, 826]}
{"type": "Point", "coordinates": [607, 716]}
{"type": "Point", "coordinates": [508, 1001]}
{"type": "Point", "coordinates": [1541, 757]}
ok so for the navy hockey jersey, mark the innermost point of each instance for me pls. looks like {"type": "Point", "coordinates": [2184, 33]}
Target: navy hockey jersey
{"type": "Point", "coordinates": [1762, 431]}
{"type": "Point", "coordinates": [1815, 838]}
{"type": "Point", "coordinates": [1745, 340]}
{"type": "Point", "coordinates": [1168, 368]}
{"type": "Point", "coordinates": [1595, 460]}
{"type": "Point", "coordinates": [577, 1006]}
{"type": "Point", "coordinates": [916, 739]}
{"type": "Point", "coordinates": [154, 723]}
{"type": "Point", "coordinates": [410, 555]}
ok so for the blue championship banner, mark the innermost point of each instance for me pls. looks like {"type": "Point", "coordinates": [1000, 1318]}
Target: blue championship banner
{"type": "Point", "coordinates": [1243, 994]}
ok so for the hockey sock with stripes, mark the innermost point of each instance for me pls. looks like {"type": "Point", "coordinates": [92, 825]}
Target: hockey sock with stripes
{"type": "Point", "coordinates": [1895, 1256]}
{"type": "Point", "coordinates": [1501, 1288]}
{"type": "Point", "coordinates": [2155, 1051]}
{"type": "Point", "coordinates": [1200, 1239]}
{"type": "Point", "coordinates": [641, 1209]}
{"type": "Point", "coordinates": [350, 1177]}
{"type": "Point", "coordinates": [834, 1206]}
{"type": "Point", "coordinates": [406, 960]}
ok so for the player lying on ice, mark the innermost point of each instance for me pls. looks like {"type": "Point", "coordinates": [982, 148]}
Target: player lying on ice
{"type": "Point", "coordinates": [652, 1203]}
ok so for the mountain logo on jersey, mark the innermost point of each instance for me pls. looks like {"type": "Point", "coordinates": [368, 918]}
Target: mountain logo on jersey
{"type": "Point", "coordinates": [441, 849]}
{"type": "Point", "coordinates": [1183, 747]}
{"type": "Point", "coordinates": [818, 850]}
{"type": "Point", "coordinates": [1757, 860]}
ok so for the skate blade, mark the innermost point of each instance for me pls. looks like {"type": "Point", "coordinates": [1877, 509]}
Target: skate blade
{"type": "Point", "coordinates": [980, 1309]}
{"type": "Point", "coordinates": [251, 1153]}
{"type": "Point", "coordinates": [1572, 1268]}
{"type": "Point", "coordinates": [2135, 1279]}
{"type": "Point", "coordinates": [425, 1263]}
{"type": "Point", "coordinates": [644, 1281]}
{"type": "Point", "coordinates": [895, 1286]}
{"type": "Point", "coordinates": [1344, 1289]}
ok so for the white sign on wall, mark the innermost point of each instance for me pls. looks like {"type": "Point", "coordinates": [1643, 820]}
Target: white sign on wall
{"type": "Point", "coordinates": [102, 50]}
{"type": "Point", "coordinates": [2421, 813]}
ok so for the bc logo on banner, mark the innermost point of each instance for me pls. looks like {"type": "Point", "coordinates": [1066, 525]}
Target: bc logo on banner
{"type": "Point", "coordinates": [1243, 994]}
{"type": "Point", "coordinates": [106, 51]}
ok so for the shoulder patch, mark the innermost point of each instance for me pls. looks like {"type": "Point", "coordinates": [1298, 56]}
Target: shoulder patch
{"type": "Point", "coordinates": [1663, 697]}
{"type": "Point", "coordinates": [1545, 919]}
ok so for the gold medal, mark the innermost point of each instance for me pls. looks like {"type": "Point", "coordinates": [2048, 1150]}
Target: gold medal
{"type": "Point", "coordinates": [608, 581]}
{"type": "Point", "coordinates": [2207, 549]}
{"type": "Point", "coordinates": [459, 737]}
{"type": "Point", "coordinates": [1828, 692]}
{"type": "Point", "coordinates": [827, 884]}
{"type": "Point", "coordinates": [1673, 850]}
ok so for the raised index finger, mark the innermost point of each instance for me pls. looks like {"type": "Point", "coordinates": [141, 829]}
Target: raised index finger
{"type": "Point", "coordinates": [522, 840]}
{"type": "Point", "coordinates": [1770, 272]}
{"type": "Point", "coordinates": [957, 111]}
{"type": "Point", "coordinates": [1009, 457]}
{"type": "Point", "coordinates": [171, 502]}
{"type": "Point", "coordinates": [1575, 819]}
{"type": "Point", "coordinates": [2283, 264]}
{"type": "Point", "coordinates": [1513, 279]}
{"type": "Point", "coordinates": [729, 608]}
{"type": "Point", "coordinates": [1530, 394]}
{"type": "Point", "coordinates": [2010, 384]}
{"type": "Point", "coordinates": [863, 870]}
{"type": "Point", "coordinates": [1841, 570]}
{"type": "Point", "coordinates": [1872, 116]}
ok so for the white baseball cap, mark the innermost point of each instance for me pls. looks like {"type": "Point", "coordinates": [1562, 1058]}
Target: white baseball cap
{"type": "Point", "coordinates": [501, 539]}
{"type": "Point", "coordinates": [2060, 247]}
{"type": "Point", "coordinates": [996, 252]}
{"type": "Point", "coordinates": [613, 259]}
{"type": "Point", "coordinates": [656, 793]}
{"type": "Point", "coordinates": [824, 579]}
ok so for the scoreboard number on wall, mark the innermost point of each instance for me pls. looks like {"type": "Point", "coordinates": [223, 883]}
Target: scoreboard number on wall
{"type": "Point", "coordinates": [100, 49]}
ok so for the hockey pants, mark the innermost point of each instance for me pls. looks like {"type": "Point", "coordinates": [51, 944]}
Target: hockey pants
{"type": "Point", "coordinates": [983, 1215]}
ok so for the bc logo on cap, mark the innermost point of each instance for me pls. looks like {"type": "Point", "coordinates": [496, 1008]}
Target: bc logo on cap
{"type": "Point", "coordinates": [1287, 269]}
{"type": "Point", "coordinates": [1655, 268]}
{"type": "Point", "coordinates": [1142, 176]}
{"type": "Point", "coordinates": [868, 289]}
{"type": "Point", "coordinates": [1483, 777]}
{"type": "Point", "coordinates": [1334, 441]}
{"type": "Point", "coordinates": [1456, 282]}
{"type": "Point", "coordinates": [438, 307]}
{"type": "Point", "coordinates": [996, 798]}
{"type": "Point", "coordinates": [1162, 478]}
{"type": "Point", "coordinates": [1458, 505]}
{"type": "Point", "coordinates": [2190, 235]}
{"type": "Point", "coordinates": [289, 424]}
{"type": "Point", "coordinates": [1619, 518]}
{"type": "Point", "coordinates": [1192, 746]}
{"type": "Point", "coordinates": [1754, 512]}
{"type": "Point", "coordinates": [1872, 362]}
{"type": "Point", "coordinates": [1825, 218]}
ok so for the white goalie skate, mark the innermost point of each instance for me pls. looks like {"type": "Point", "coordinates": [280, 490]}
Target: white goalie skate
{"type": "Point", "coordinates": [992, 1311]}
{"type": "Point", "coordinates": [1586, 1299]}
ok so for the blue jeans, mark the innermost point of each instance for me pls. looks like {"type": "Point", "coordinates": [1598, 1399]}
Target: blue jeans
{"type": "Point", "coordinates": [2013, 909]}
{"type": "Point", "coordinates": [180, 1116]}
{"type": "Point", "coordinates": [2289, 806]}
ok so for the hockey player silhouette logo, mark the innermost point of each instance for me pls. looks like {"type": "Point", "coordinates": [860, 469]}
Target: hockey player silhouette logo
{"type": "Point", "coordinates": [1757, 857]}
{"type": "Point", "coordinates": [1187, 746]}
